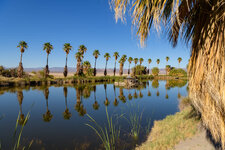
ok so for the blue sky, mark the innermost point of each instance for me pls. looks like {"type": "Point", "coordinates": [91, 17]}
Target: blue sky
{"type": "Point", "coordinates": [88, 22]}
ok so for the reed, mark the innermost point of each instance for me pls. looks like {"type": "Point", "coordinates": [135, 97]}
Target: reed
{"type": "Point", "coordinates": [108, 134]}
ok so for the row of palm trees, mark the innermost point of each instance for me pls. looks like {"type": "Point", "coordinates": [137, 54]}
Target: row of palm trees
{"type": "Point", "coordinates": [80, 56]}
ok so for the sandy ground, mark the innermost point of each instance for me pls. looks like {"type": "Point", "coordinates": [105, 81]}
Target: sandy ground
{"type": "Point", "coordinates": [199, 141]}
{"type": "Point", "coordinates": [60, 75]}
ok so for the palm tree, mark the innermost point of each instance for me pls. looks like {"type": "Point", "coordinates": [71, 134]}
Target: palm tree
{"type": "Point", "coordinates": [95, 54]}
{"type": "Point", "coordinates": [167, 59]}
{"type": "Point", "coordinates": [67, 48]}
{"type": "Point", "coordinates": [22, 45]}
{"type": "Point", "coordinates": [122, 61]}
{"type": "Point", "coordinates": [78, 56]}
{"type": "Point", "coordinates": [87, 66]}
{"type": "Point", "coordinates": [135, 63]}
{"type": "Point", "coordinates": [116, 55]}
{"type": "Point", "coordinates": [200, 24]}
{"type": "Point", "coordinates": [130, 59]}
{"type": "Point", "coordinates": [82, 49]}
{"type": "Point", "coordinates": [158, 61]}
{"type": "Point", "coordinates": [106, 56]}
{"type": "Point", "coordinates": [141, 60]}
{"type": "Point", "coordinates": [149, 62]}
{"type": "Point", "coordinates": [179, 59]}
{"type": "Point", "coordinates": [66, 114]}
{"type": "Point", "coordinates": [115, 103]}
{"type": "Point", "coordinates": [48, 48]}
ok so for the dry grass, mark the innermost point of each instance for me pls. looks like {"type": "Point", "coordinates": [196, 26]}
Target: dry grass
{"type": "Point", "coordinates": [167, 133]}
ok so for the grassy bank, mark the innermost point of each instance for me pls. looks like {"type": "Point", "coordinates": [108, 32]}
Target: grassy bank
{"type": "Point", "coordinates": [168, 132]}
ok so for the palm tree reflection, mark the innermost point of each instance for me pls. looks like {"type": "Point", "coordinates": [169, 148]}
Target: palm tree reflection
{"type": "Point", "coordinates": [106, 102]}
{"type": "Point", "coordinates": [20, 100]}
{"type": "Point", "coordinates": [79, 107]}
{"type": "Point", "coordinates": [122, 97]}
{"type": "Point", "coordinates": [66, 114]}
{"type": "Point", "coordinates": [149, 93]}
{"type": "Point", "coordinates": [95, 105]}
{"type": "Point", "coordinates": [47, 117]}
{"type": "Point", "coordinates": [115, 103]}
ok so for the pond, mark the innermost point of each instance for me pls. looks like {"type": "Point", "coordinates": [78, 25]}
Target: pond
{"type": "Point", "coordinates": [59, 115]}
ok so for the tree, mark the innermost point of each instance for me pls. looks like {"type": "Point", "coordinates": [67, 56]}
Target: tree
{"type": "Point", "coordinates": [149, 62]}
{"type": "Point", "coordinates": [167, 59]}
{"type": "Point", "coordinates": [95, 105]}
{"type": "Point", "coordinates": [141, 61]}
{"type": "Point", "coordinates": [67, 48]}
{"type": "Point", "coordinates": [82, 49]}
{"type": "Point", "coordinates": [78, 57]}
{"type": "Point", "coordinates": [87, 66]}
{"type": "Point", "coordinates": [116, 55]}
{"type": "Point", "coordinates": [95, 54]}
{"type": "Point", "coordinates": [22, 45]}
{"type": "Point", "coordinates": [106, 56]}
{"type": "Point", "coordinates": [48, 48]}
{"type": "Point", "coordinates": [106, 102]}
{"type": "Point", "coordinates": [135, 63]}
{"type": "Point", "coordinates": [158, 61]}
{"type": "Point", "coordinates": [122, 61]}
{"type": "Point", "coordinates": [155, 71]}
{"type": "Point", "coordinates": [130, 59]}
{"type": "Point", "coordinates": [179, 59]}
{"type": "Point", "coordinates": [201, 25]}
{"type": "Point", "coordinates": [20, 100]}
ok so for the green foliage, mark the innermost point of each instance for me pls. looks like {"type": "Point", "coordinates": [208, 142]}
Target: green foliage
{"type": "Point", "coordinates": [155, 84]}
{"type": "Point", "coordinates": [178, 72]}
{"type": "Point", "coordinates": [155, 71]}
{"type": "Point", "coordinates": [12, 72]}
{"type": "Point", "coordinates": [139, 70]}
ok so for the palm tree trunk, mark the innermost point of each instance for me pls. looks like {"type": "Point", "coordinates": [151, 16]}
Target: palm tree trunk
{"type": "Point", "coordinates": [129, 69]}
{"type": "Point", "coordinates": [66, 59]}
{"type": "Point", "coordinates": [21, 56]}
{"type": "Point", "coordinates": [95, 67]}
{"type": "Point", "coordinates": [47, 59]}
{"type": "Point", "coordinates": [114, 68]}
{"type": "Point", "coordinates": [148, 69]}
{"type": "Point", "coordinates": [134, 69]}
{"type": "Point", "coordinates": [105, 72]}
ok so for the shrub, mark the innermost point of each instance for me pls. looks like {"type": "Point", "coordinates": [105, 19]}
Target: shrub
{"type": "Point", "coordinates": [178, 72]}
{"type": "Point", "coordinates": [155, 71]}
{"type": "Point", "coordinates": [139, 70]}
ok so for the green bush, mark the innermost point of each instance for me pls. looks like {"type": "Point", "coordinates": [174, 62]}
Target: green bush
{"type": "Point", "coordinates": [139, 70]}
{"type": "Point", "coordinates": [155, 71]}
{"type": "Point", "coordinates": [178, 72]}
{"type": "Point", "coordinates": [8, 72]}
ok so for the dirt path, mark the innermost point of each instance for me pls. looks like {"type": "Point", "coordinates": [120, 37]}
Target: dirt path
{"type": "Point", "coordinates": [197, 142]}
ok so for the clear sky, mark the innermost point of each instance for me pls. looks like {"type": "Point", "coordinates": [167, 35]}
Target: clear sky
{"type": "Point", "coordinates": [88, 22]}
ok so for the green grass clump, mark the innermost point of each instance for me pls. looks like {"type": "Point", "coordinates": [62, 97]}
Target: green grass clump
{"type": "Point", "coordinates": [166, 133]}
{"type": "Point", "coordinates": [108, 134]}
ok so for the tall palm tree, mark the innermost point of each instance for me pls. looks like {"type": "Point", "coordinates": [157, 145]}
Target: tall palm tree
{"type": "Point", "coordinates": [122, 61]}
{"type": "Point", "coordinates": [106, 56]}
{"type": "Point", "coordinates": [179, 59]}
{"type": "Point", "coordinates": [95, 54]}
{"type": "Point", "coordinates": [200, 24]}
{"type": "Point", "coordinates": [66, 114]}
{"type": "Point", "coordinates": [158, 61]}
{"type": "Point", "coordinates": [82, 49]}
{"type": "Point", "coordinates": [78, 56]}
{"type": "Point", "coordinates": [141, 60]}
{"type": "Point", "coordinates": [130, 59]}
{"type": "Point", "coordinates": [67, 48]}
{"type": "Point", "coordinates": [116, 55]}
{"type": "Point", "coordinates": [87, 66]}
{"type": "Point", "coordinates": [149, 62]}
{"type": "Point", "coordinates": [48, 48]}
{"type": "Point", "coordinates": [22, 45]}
{"type": "Point", "coordinates": [135, 63]}
{"type": "Point", "coordinates": [167, 59]}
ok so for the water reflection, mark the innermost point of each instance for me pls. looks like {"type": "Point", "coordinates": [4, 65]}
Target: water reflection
{"type": "Point", "coordinates": [86, 99]}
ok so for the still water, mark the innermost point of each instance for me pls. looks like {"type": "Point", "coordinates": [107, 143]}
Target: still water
{"type": "Point", "coordinates": [58, 115]}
